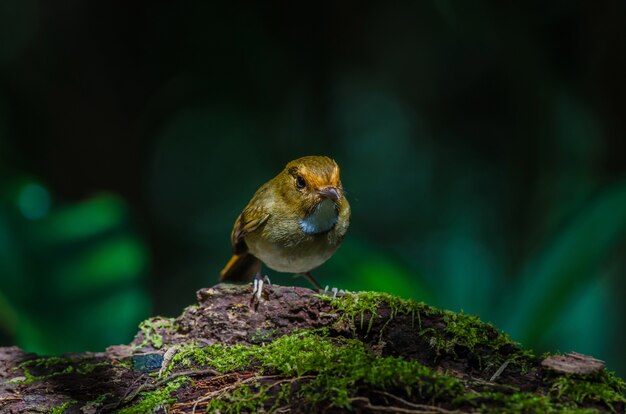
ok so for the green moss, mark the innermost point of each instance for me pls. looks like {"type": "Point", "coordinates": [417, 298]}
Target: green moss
{"type": "Point", "coordinates": [331, 367]}
{"type": "Point", "coordinates": [123, 363]}
{"type": "Point", "coordinates": [354, 306]}
{"type": "Point", "coordinates": [151, 400]}
{"type": "Point", "coordinates": [60, 409]}
{"type": "Point", "coordinates": [519, 402]}
{"type": "Point", "coordinates": [244, 399]}
{"type": "Point", "coordinates": [262, 336]}
{"type": "Point", "coordinates": [469, 331]}
{"type": "Point", "coordinates": [310, 367]}
{"type": "Point", "coordinates": [55, 366]}
{"type": "Point", "coordinates": [313, 368]}
{"type": "Point", "coordinates": [96, 403]}
{"type": "Point", "coordinates": [151, 330]}
{"type": "Point", "coordinates": [567, 394]}
{"type": "Point", "coordinates": [46, 363]}
{"type": "Point", "coordinates": [496, 402]}
{"type": "Point", "coordinates": [604, 388]}
{"type": "Point", "coordinates": [459, 330]}
{"type": "Point", "coordinates": [485, 340]}
{"type": "Point", "coordinates": [221, 358]}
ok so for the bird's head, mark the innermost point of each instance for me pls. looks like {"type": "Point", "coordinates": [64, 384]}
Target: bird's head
{"type": "Point", "coordinates": [308, 181]}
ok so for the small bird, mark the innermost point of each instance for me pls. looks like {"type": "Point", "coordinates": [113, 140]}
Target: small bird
{"type": "Point", "coordinates": [293, 223]}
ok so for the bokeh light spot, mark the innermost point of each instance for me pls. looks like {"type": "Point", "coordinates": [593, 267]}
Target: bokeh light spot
{"type": "Point", "coordinates": [33, 201]}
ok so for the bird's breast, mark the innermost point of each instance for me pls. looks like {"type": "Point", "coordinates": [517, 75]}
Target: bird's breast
{"type": "Point", "coordinates": [287, 243]}
{"type": "Point", "coordinates": [322, 219]}
{"type": "Point", "coordinates": [300, 257]}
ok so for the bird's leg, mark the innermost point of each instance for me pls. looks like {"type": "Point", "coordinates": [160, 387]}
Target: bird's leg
{"type": "Point", "coordinates": [257, 290]}
{"type": "Point", "coordinates": [308, 276]}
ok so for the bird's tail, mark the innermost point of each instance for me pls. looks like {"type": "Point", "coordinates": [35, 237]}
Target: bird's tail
{"type": "Point", "coordinates": [240, 268]}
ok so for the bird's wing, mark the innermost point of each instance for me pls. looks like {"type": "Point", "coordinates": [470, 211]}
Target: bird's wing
{"type": "Point", "coordinates": [247, 222]}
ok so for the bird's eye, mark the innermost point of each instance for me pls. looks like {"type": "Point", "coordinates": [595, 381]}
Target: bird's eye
{"type": "Point", "coordinates": [300, 183]}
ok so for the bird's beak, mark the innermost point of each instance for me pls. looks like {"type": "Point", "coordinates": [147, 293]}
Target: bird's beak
{"type": "Point", "coordinates": [329, 192]}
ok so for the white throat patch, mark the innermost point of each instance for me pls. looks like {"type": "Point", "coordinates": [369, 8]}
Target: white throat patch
{"type": "Point", "coordinates": [322, 219]}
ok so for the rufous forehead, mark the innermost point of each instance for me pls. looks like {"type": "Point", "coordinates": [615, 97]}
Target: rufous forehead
{"type": "Point", "coordinates": [321, 178]}
{"type": "Point", "coordinates": [319, 172]}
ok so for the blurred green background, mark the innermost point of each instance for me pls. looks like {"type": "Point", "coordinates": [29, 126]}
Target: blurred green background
{"type": "Point", "coordinates": [482, 146]}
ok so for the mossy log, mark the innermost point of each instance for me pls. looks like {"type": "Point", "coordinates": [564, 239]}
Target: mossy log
{"type": "Point", "coordinates": [301, 352]}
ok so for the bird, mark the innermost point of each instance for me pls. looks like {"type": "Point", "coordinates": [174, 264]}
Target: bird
{"type": "Point", "coordinates": [294, 223]}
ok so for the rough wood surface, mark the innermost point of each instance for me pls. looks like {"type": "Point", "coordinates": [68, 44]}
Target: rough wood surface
{"type": "Point", "coordinates": [573, 363]}
{"type": "Point", "coordinates": [490, 370]}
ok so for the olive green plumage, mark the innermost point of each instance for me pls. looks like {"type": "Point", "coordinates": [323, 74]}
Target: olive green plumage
{"type": "Point", "coordinates": [293, 223]}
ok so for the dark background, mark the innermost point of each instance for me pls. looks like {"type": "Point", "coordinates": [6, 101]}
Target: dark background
{"type": "Point", "coordinates": [481, 146]}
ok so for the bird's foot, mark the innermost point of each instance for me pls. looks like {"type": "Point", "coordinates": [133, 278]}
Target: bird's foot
{"type": "Point", "coordinates": [257, 289]}
{"type": "Point", "coordinates": [336, 292]}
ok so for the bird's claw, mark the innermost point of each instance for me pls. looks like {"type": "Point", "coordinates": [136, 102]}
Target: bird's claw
{"type": "Point", "coordinates": [336, 292]}
{"type": "Point", "coordinates": [257, 289]}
